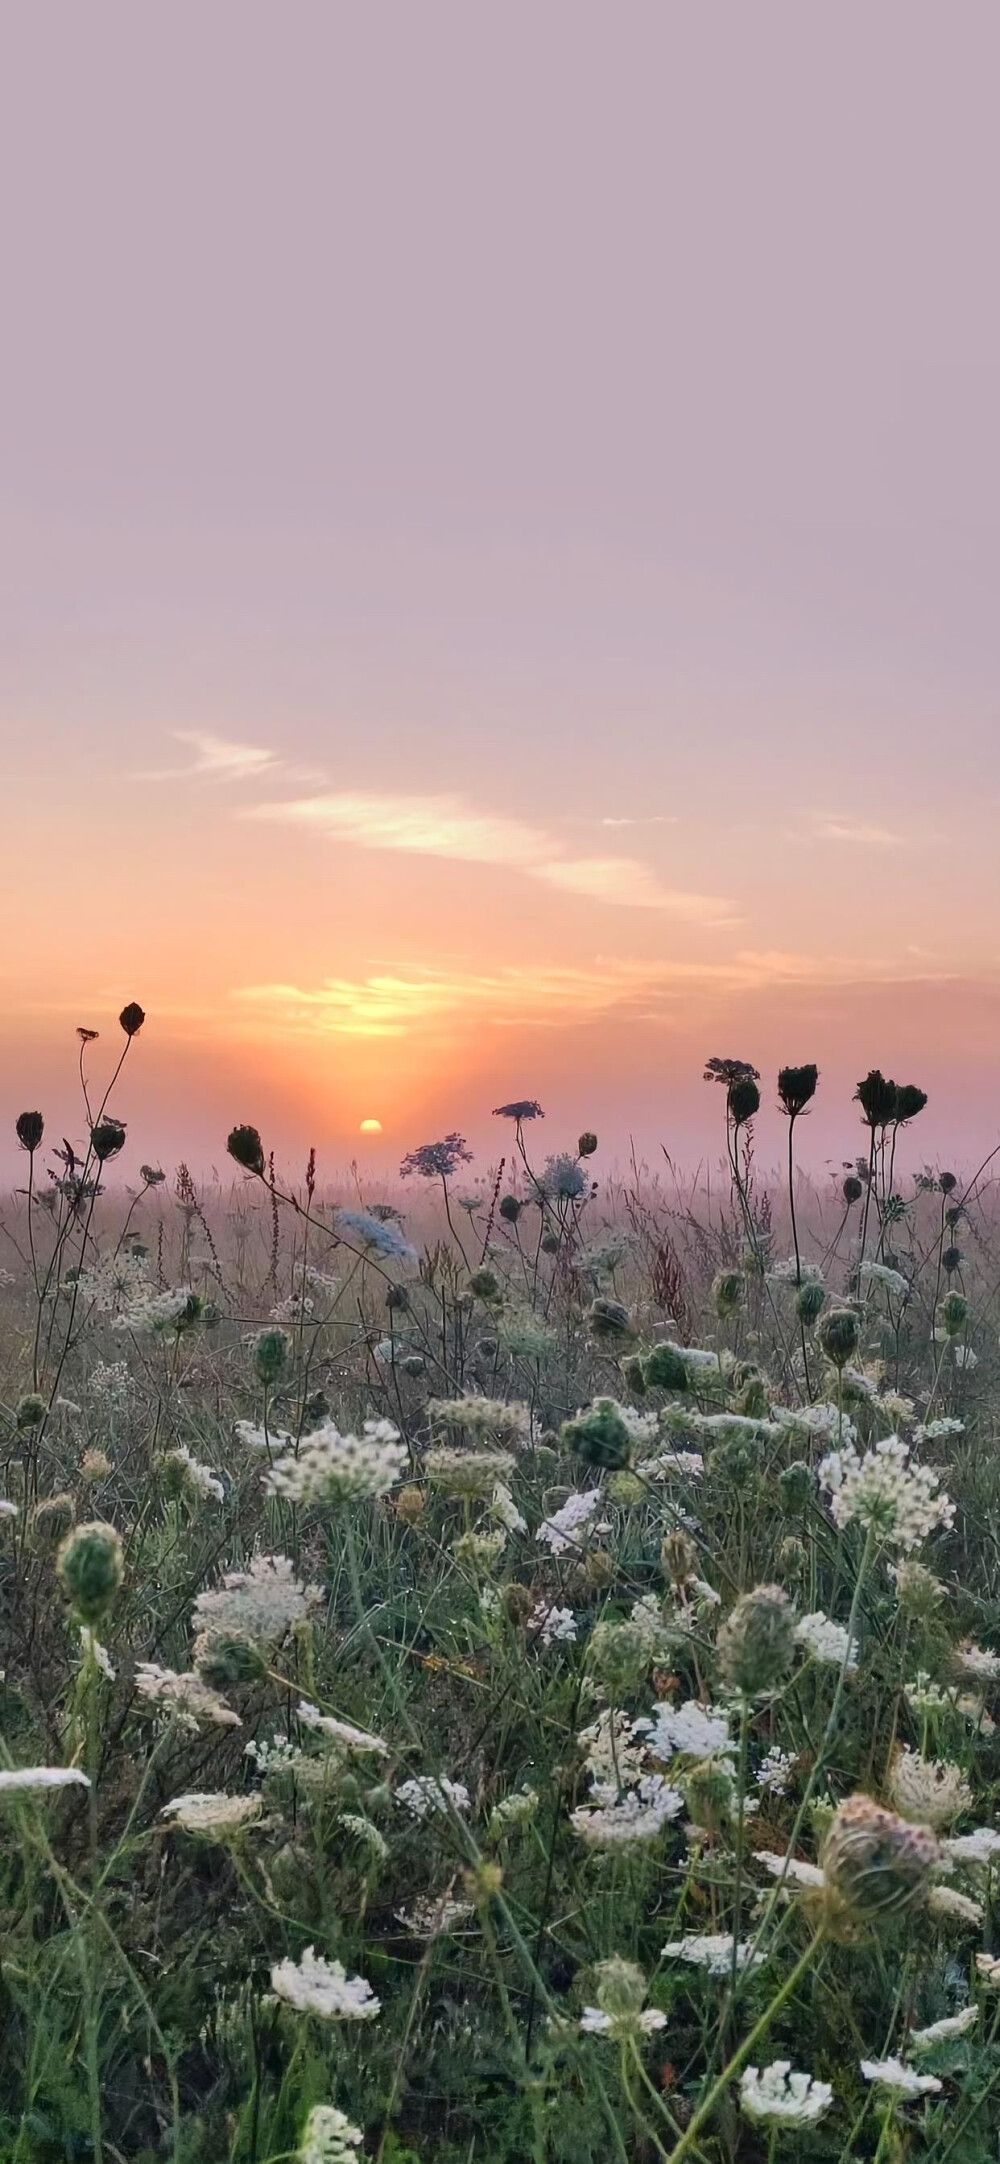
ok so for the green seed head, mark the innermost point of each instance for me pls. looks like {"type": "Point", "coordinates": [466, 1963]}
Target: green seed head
{"type": "Point", "coordinates": [91, 1567]}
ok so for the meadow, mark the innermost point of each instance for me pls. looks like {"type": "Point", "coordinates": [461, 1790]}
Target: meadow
{"type": "Point", "coordinates": [505, 1665]}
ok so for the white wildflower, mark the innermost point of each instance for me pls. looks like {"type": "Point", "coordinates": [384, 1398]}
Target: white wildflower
{"type": "Point", "coordinates": [973, 1660]}
{"type": "Point", "coordinates": [640, 1815]}
{"type": "Point", "coordinates": [901, 2080]}
{"type": "Point", "coordinates": [352, 1739]}
{"type": "Point", "coordinates": [505, 1510]}
{"type": "Point", "coordinates": [937, 1431]}
{"type": "Point", "coordinates": [693, 1730]}
{"type": "Point", "coordinates": [218, 1817]}
{"type": "Point", "coordinates": [315, 1986]}
{"type": "Point", "coordinates": [711, 1950]}
{"type": "Point", "coordinates": [263, 1602]}
{"type": "Point", "coordinates": [879, 1273]}
{"type": "Point", "coordinates": [267, 1439]}
{"type": "Point", "coordinates": [595, 2022]}
{"type": "Point", "coordinates": [954, 1907]}
{"type": "Point", "coordinates": [562, 1530]}
{"type": "Point", "coordinates": [329, 2137]}
{"type": "Point", "coordinates": [199, 1477]}
{"type": "Point", "coordinates": [27, 1779]}
{"type": "Point", "coordinates": [827, 1641]}
{"type": "Point", "coordinates": [331, 1467]}
{"type": "Point", "coordinates": [426, 1794]}
{"type": "Point", "coordinates": [94, 1651]}
{"type": "Point", "coordinates": [928, 1791]}
{"type": "Point", "coordinates": [792, 1868]}
{"type": "Point", "coordinates": [184, 1696]}
{"type": "Point", "coordinates": [775, 1771]}
{"type": "Point", "coordinates": [981, 1846]}
{"type": "Point", "coordinates": [885, 1490]}
{"type": "Point", "coordinates": [779, 2097]}
{"type": "Point", "coordinates": [940, 2032]}
{"type": "Point", "coordinates": [434, 1914]}
{"type": "Point", "coordinates": [555, 1626]}
{"type": "Point", "coordinates": [679, 1464]}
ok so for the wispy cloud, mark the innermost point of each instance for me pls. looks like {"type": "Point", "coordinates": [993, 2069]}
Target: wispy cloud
{"type": "Point", "coordinates": [446, 826]}
{"type": "Point", "coordinates": [651, 819]}
{"type": "Point", "coordinates": [851, 830]}
{"type": "Point", "coordinates": [407, 1001]}
{"type": "Point", "coordinates": [215, 758]}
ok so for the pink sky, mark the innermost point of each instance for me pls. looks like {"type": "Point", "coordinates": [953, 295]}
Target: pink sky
{"type": "Point", "coordinates": [498, 536]}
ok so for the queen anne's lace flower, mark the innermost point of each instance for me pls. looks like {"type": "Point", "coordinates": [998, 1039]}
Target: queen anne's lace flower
{"type": "Point", "coordinates": [329, 2137]}
{"type": "Point", "coordinates": [24, 1779]}
{"type": "Point", "coordinates": [434, 1914]}
{"type": "Point", "coordinates": [780, 2097]}
{"type": "Point", "coordinates": [826, 1641]}
{"type": "Point", "coordinates": [902, 2080]}
{"type": "Point", "coordinates": [351, 1739]}
{"type": "Point", "coordinates": [331, 1467]}
{"type": "Point", "coordinates": [981, 1846]}
{"type": "Point", "coordinates": [940, 2032]}
{"type": "Point", "coordinates": [691, 1730]}
{"type": "Point", "coordinates": [713, 1951]}
{"type": "Point", "coordinates": [315, 1986]}
{"type": "Point", "coordinates": [262, 1602]}
{"type": "Point", "coordinates": [218, 1817]}
{"type": "Point", "coordinates": [792, 1868]}
{"type": "Point", "coordinates": [185, 1696]}
{"type": "Point", "coordinates": [638, 1815]}
{"type": "Point", "coordinates": [426, 1794]}
{"type": "Point", "coordinates": [565, 1526]}
{"type": "Point", "coordinates": [555, 1626]}
{"type": "Point", "coordinates": [930, 1791]}
{"type": "Point", "coordinates": [885, 1490]}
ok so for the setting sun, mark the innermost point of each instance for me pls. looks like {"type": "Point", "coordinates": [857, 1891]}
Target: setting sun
{"type": "Point", "coordinates": [371, 1127]}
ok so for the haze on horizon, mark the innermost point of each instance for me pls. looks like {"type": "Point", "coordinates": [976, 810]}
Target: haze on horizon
{"type": "Point", "coordinates": [499, 540]}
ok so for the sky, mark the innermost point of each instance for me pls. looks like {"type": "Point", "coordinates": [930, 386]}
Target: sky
{"type": "Point", "coordinates": [498, 563]}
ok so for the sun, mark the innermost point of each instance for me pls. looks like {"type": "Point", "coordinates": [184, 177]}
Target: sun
{"type": "Point", "coordinates": [371, 1127]}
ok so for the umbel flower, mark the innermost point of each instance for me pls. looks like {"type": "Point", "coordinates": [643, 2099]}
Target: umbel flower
{"type": "Point", "coordinates": [315, 1986]}
{"type": "Point", "coordinates": [619, 2013]}
{"type": "Point", "coordinates": [215, 1817]}
{"type": "Point", "coordinates": [91, 1566]}
{"type": "Point", "coordinates": [332, 1468]}
{"type": "Point", "coordinates": [875, 1863]}
{"type": "Point", "coordinates": [436, 1160]}
{"type": "Point", "coordinates": [780, 2097]}
{"type": "Point", "coordinates": [885, 1490]}
{"type": "Point", "coordinates": [520, 1109]}
{"type": "Point", "coordinates": [797, 1088]}
{"type": "Point", "coordinates": [329, 2137]}
{"type": "Point", "coordinates": [929, 1791]}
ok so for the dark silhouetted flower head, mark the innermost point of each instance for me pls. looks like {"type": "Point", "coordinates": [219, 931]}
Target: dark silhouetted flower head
{"type": "Point", "coordinates": [877, 1098]}
{"type": "Point", "coordinates": [743, 1100]}
{"type": "Point", "coordinates": [30, 1129]}
{"type": "Point", "coordinates": [107, 1139]}
{"type": "Point", "coordinates": [132, 1018]}
{"type": "Point", "coordinates": [437, 1160]}
{"type": "Point", "coordinates": [522, 1108]}
{"type": "Point", "coordinates": [909, 1101]}
{"type": "Point", "coordinates": [796, 1087]}
{"type": "Point", "coordinates": [246, 1147]}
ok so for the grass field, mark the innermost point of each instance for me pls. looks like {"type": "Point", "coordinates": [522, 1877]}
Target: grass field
{"type": "Point", "coordinates": [501, 1667]}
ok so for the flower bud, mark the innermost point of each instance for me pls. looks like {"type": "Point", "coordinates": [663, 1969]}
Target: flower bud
{"type": "Point", "coordinates": [756, 1643]}
{"type": "Point", "coordinates": [621, 1988]}
{"type": "Point", "coordinates": [874, 1863]}
{"type": "Point", "coordinates": [708, 1793]}
{"type": "Point", "coordinates": [91, 1568]}
{"type": "Point", "coordinates": [953, 1313]}
{"type": "Point", "coordinates": [664, 1369]}
{"type": "Point", "coordinates": [796, 1088]}
{"type": "Point", "coordinates": [229, 1662]}
{"type": "Point", "coordinates": [270, 1355]}
{"type": "Point", "coordinates": [838, 1335]}
{"type": "Point", "coordinates": [793, 1555]}
{"type": "Point", "coordinates": [484, 1284]}
{"type": "Point", "coordinates": [410, 1505]}
{"type": "Point", "coordinates": [919, 1591]}
{"type": "Point", "coordinates": [413, 1364]}
{"type": "Point", "coordinates": [727, 1292]}
{"type": "Point", "coordinates": [30, 1412]}
{"type": "Point", "coordinates": [743, 1099]}
{"type": "Point", "coordinates": [678, 1556]}
{"type": "Point", "coordinates": [877, 1098]}
{"type": "Point", "coordinates": [246, 1147]}
{"type": "Point", "coordinates": [608, 1318]}
{"type": "Point", "coordinates": [586, 1145]}
{"type": "Point", "coordinates": [753, 1400]}
{"type": "Point", "coordinates": [947, 1183]}
{"type": "Point", "coordinates": [599, 1435]}
{"type": "Point", "coordinates": [519, 1602]}
{"type": "Point", "coordinates": [107, 1139]}
{"type": "Point", "coordinates": [51, 1520]}
{"type": "Point", "coordinates": [796, 1487]}
{"type": "Point", "coordinates": [30, 1128]}
{"type": "Point", "coordinates": [909, 1101]}
{"type": "Point", "coordinates": [510, 1209]}
{"type": "Point", "coordinates": [550, 1243]}
{"type": "Point", "coordinates": [809, 1301]}
{"type": "Point", "coordinates": [132, 1018]}
{"type": "Point", "coordinates": [398, 1298]}
{"type": "Point", "coordinates": [598, 1570]}
{"type": "Point", "coordinates": [952, 1260]}
{"type": "Point", "coordinates": [852, 1189]}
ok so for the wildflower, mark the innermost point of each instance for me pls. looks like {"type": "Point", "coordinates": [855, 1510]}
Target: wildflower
{"type": "Point", "coordinates": [826, 1641]}
{"type": "Point", "coordinates": [937, 1431]}
{"type": "Point", "coordinates": [156, 1314]}
{"type": "Point", "coordinates": [682, 1464]}
{"type": "Point", "coordinates": [37, 1778]}
{"type": "Point", "coordinates": [362, 1830]}
{"type": "Point", "coordinates": [331, 1467]}
{"type": "Point", "coordinates": [692, 1730]}
{"type": "Point", "coordinates": [262, 1603]}
{"type": "Point", "coordinates": [879, 1273]}
{"type": "Point", "coordinates": [638, 1816]}
{"type": "Point", "coordinates": [775, 1771]}
{"type": "Point", "coordinates": [315, 1986]}
{"type": "Point", "coordinates": [561, 1530]}
{"type": "Point", "coordinates": [874, 1862]}
{"type": "Point", "coordinates": [955, 1907]}
{"type": "Point", "coordinates": [930, 1791]}
{"type": "Point", "coordinates": [555, 1626]}
{"type": "Point", "coordinates": [792, 1868]}
{"type": "Point", "coordinates": [981, 1846]}
{"type": "Point", "coordinates": [562, 1179]}
{"type": "Point", "coordinates": [522, 1108]}
{"type": "Point", "coordinates": [756, 1640]}
{"type": "Point", "coordinates": [838, 1335]}
{"type": "Point", "coordinates": [468, 1472]}
{"type": "Point", "coordinates": [712, 1951]}
{"type": "Point", "coordinates": [918, 1590]}
{"type": "Point", "coordinates": [7, 1508]}
{"type": "Point", "coordinates": [379, 1235]}
{"type": "Point", "coordinates": [941, 2032]}
{"type": "Point", "coordinates": [437, 1160]}
{"type": "Point", "coordinates": [988, 1969]}
{"type": "Point", "coordinates": [884, 1490]}
{"type": "Point", "coordinates": [902, 2081]}
{"type": "Point", "coordinates": [219, 1817]}
{"type": "Point", "coordinates": [95, 1652]}
{"type": "Point", "coordinates": [352, 1739]}
{"type": "Point", "coordinates": [270, 1355]}
{"type": "Point", "coordinates": [186, 1696]}
{"type": "Point", "coordinates": [432, 1915]}
{"type": "Point", "coordinates": [599, 1435]}
{"type": "Point", "coordinates": [199, 1478]}
{"type": "Point", "coordinates": [779, 2097]}
{"type": "Point", "coordinates": [621, 1989]}
{"type": "Point", "coordinates": [329, 2137]}
{"type": "Point", "coordinates": [425, 1795]}
{"type": "Point", "coordinates": [490, 1418]}
{"type": "Point", "coordinates": [517, 1809]}
{"type": "Point", "coordinates": [29, 1128]}
{"type": "Point", "coordinates": [504, 1508]}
